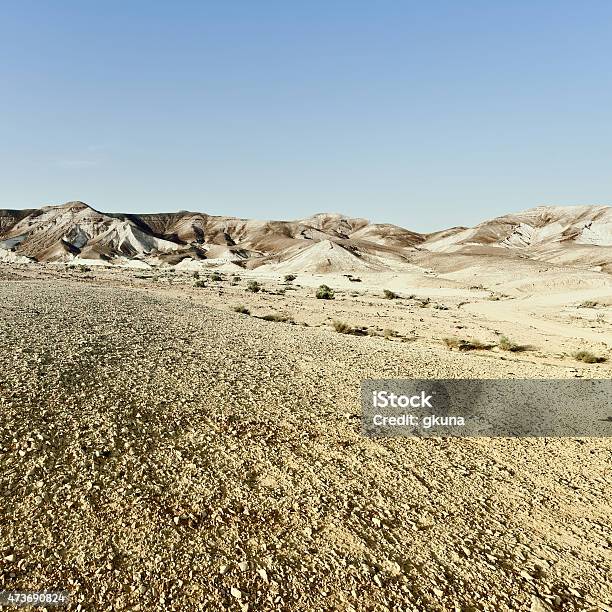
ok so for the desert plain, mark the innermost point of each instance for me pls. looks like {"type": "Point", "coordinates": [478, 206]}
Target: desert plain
{"type": "Point", "coordinates": [162, 451]}
{"type": "Point", "coordinates": [176, 437]}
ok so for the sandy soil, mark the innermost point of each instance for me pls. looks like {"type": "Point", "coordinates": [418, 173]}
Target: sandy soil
{"type": "Point", "coordinates": [162, 452]}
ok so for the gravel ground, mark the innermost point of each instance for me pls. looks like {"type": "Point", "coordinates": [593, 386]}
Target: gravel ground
{"type": "Point", "coordinates": [159, 454]}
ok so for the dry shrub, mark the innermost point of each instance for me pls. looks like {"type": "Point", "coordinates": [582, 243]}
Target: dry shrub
{"type": "Point", "coordinates": [587, 357]}
{"type": "Point", "coordinates": [461, 344]}
{"type": "Point", "coordinates": [345, 328]}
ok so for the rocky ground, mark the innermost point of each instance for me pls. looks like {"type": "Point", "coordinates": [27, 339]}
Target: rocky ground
{"type": "Point", "coordinates": [158, 452]}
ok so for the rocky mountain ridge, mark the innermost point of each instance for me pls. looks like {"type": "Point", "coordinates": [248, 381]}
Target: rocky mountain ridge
{"type": "Point", "coordinates": [75, 232]}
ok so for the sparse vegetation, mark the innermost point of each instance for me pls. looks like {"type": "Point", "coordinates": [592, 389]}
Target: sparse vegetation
{"type": "Point", "coordinates": [200, 283]}
{"type": "Point", "coordinates": [354, 279]}
{"type": "Point", "coordinates": [588, 357]}
{"type": "Point", "coordinates": [390, 295]}
{"type": "Point", "coordinates": [588, 304]}
{"type": "Point", "coordinates": [345, 328]}
{"type": "Point", "coordinates": [254, 287]}
{"type": "Point", "coordinates": [279, 317]}
{"type": "Point", "coordinates": [325, 293]}
{"type": "Point", "coordinates": [507, 345]}
{"type": "Point", "coordinates": [440, 307]}
{"type": "Point", "coordinates": [196, 275]}
{"type": "Point", "coordinates": [180, 354]}
{"type": "Point", "coordinates": [289, 278]}
{"type": "Point", "coordinates": [461, 344]}
{"type": "Point", "coordinates": [215, 276]}
{"type": "Point", "coordinates": [241, 309]}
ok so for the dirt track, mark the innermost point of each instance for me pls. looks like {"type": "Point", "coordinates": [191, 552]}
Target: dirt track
{"type": "Point", "coordinates": [159, 454]}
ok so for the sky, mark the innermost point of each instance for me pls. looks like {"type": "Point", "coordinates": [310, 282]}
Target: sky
{"type": "Point", "coordinates": [424, 114]}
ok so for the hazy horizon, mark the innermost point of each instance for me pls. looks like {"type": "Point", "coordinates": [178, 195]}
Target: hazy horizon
{"type": "Point", "coordinates": [424, 116]}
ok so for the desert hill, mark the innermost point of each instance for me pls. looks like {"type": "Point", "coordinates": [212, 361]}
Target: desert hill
{"type": "Point", "coordinates": [557, 234]}
{"type": "Point", "coordinates": [326, 242]}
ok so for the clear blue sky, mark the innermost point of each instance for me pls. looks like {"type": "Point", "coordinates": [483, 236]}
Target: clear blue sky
{"type": "Point", "coordinates": [424, 114]}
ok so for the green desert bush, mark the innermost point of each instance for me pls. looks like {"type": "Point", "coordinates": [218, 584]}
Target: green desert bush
{"type": "Point", "coordinates": [325, 293]}
{"type": "Point", "coordinates": [200, 283]}
{"type": "Point", "coordinates": [253, 287]}
{"type": "Point", "coordinates": [390, 295]}
{"type": "Point", "coordinates": [289, 278]}
{"type": "Point", "coordinates": [588, 304]}
{"type": "Point", "coordinates": [588, 357]}
{"type": "Point", "coordinates": [215, 276]}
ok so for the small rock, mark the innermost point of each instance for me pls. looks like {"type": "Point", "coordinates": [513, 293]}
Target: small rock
{"type": "Point", "coordinates": [537, 605]}
{"type": "Point", "coordinates": [237, 593]}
